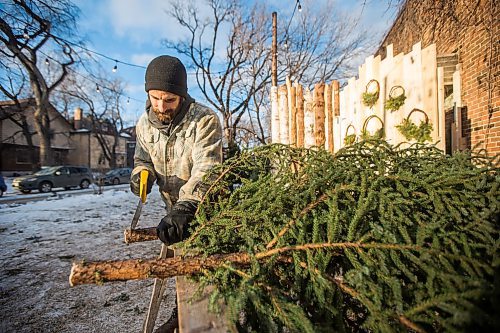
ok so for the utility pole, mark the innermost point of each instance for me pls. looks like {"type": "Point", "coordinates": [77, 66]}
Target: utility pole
{"type": "Point", "coordinates": [274, 66]}
{"type": "Point", "coordinates": [275, 119]}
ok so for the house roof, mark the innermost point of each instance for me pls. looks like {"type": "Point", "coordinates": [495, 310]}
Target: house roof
{"type": "Point", "coordinates": [11, 106]}
{"type": "Point", "coordinates": [25, 104]}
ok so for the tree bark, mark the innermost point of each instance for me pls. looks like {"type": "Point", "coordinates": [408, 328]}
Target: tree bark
{"type": "Point", "coordinates": [137, 269]}
{"type": "Point", "coordinates": [300, 115]}
{"type": "Point", "coordinates": [42, 125]}
{"type": "Point", "coordinates": [140, 235]}
{"type": "Point", "coordinates": [319, 114]}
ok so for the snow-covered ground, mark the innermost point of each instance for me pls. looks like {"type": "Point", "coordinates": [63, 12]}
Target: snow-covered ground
{"type": "Point", "coordinates": [40, 240]}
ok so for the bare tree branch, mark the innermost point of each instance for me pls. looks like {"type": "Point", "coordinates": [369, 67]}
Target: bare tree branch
{"type": "Point", "coordinates": [27, 29]}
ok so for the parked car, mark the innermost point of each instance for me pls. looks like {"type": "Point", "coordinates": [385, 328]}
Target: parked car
{"type": "Point", "coordinates": [116, 176]}
{"type": "Point", "coordinates": [3, 186]}
{"type": "Point", "coordinates": [66, 176]}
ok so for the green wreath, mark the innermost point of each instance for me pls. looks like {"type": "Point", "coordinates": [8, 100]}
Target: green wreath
{"type": "Point", "coordinates": [378, 134]}
{"type": "Point", "coordinates": [349, 139]}
{"type": "Point", "coordinates": [370, 98]}
{"type": "Point", "coordinates": [394, 102]}
{"type": "Point", "coordinates": [410, 130]}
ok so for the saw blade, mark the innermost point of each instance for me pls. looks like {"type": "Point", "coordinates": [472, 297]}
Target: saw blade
{"type": "Point", "coordinates": [137, 214]}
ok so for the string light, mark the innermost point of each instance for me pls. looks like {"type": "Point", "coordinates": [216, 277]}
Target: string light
{"type": "Point", "coordinates": [47, 61]}
{"type": "Point", "coordinates": [115, 68]}
{"type": "Point", "coordinates": [299, 7]}
{"type": "Point", "coordinates": [98, 88]}
{"type": "Point", "coordinates": [67, 50]}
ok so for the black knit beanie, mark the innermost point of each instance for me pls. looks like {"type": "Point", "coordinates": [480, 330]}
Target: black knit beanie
{"type": "Point", "coordinates": [167, 73]}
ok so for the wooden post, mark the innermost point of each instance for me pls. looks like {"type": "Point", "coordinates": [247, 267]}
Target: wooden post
{"type": "Point", "coordinates": [294, 116]}
{"type": "Point", "coordinates": [192, 309]}
{"type": "Point", "coordinates": [274, 64]}
{"type": "Point", "coordinates": [440, 109]}
{"type": "Point", "coordinates": [275, 120]}
{"type": "Point", "coordinates": [283, 113]}
{"type": "Point", "coordinates": [309, 139]}
{"type": "Point", "coordinates": [319, 115]}
{"type": "Point", "coordinates": [328, 118]}
{"type": "Point", "coordinates": [299, 99]}
{"type": "Point", "coordinates": [457, 98]}
{"type": "Point", "coordinates": [291, 112]}
{"type": "Point", "coordinates": [275, 116]}
{"type": "Point", "coordinates": [336, 98]}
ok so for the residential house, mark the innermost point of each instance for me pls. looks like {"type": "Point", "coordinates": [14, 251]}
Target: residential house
{"type": "Point", "coordinates": [19, 143]}
{"type": "Point", "coordinates": [74, 141]}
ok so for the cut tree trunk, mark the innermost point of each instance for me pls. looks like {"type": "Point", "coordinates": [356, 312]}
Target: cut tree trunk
{"type": "Point", "coordinates": [138, 269]}
{"type": "Point", "coordinates": [140, 235]}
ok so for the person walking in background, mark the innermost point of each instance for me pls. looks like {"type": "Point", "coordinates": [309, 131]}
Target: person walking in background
{"type": "Point", "coordinates": [3, 186]}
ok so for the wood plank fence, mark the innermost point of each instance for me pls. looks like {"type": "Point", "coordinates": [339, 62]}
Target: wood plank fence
{"type": "Point", "coordinates": [330, 117]}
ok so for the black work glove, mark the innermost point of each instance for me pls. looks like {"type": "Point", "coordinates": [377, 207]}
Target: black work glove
{"type": "Point", "coordinates": [173, 228]}
{"type": "Point", "coordinates": [135, 183]}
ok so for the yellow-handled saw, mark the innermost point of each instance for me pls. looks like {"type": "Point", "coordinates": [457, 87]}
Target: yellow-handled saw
{"type": "Point", "coordinates": [142, 197]}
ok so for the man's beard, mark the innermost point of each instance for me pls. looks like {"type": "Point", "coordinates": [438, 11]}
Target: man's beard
{"type": "Point", "coordinates": [165, 117]}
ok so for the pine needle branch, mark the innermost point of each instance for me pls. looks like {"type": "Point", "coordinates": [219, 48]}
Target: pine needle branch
{"type": "Point", "coordinates": [304, 211]}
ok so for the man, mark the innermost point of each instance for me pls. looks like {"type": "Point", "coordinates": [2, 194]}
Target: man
{"type": "Point", "coordinates": [178, 141]}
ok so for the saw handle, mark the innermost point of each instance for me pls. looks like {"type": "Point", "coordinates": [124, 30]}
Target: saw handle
{"type": "Point", "coordinates": [143, 185]}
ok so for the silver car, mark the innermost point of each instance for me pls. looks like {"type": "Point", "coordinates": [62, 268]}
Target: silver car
{"type": "Point", "coordinates": [56, 176]}
{"type": "Point", "coordinates": [116, 176]}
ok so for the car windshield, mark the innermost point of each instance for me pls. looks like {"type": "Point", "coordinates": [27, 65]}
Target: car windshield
{"type": "Point", "coordinates": [111, 172]}
{"type": "Point", "coordinates": [46, 171]}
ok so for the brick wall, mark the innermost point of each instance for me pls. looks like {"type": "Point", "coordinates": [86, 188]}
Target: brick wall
{"type": "Point", "coordinates": [469, 28]}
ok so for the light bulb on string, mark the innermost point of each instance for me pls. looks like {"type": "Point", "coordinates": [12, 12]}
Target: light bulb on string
{"type": "Point", "coordinates": [299, 7]}
{"type": "Point", "coordinates": [25, 34]}
{"type": "Point", "coordinates": [97, 88]}
{"type": "Point", "coordinates": [47, 62]}
{"type": "Point", "coordinates": [116, 66]}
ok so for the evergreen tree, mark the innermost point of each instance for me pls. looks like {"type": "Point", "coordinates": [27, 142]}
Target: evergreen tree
{"type": "Point", "coordinates": [374, 238]}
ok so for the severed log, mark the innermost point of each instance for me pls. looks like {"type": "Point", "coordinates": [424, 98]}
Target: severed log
{"type": "Point", "coordinates": [283, 111]}
{"type": "Point", "coordinates": [138, 269]}
{"type": "Point", "coordinates": [319, 115]}
{"type": "Point", "coordinates": [140, 235]}
{"type": "Point", "coordinates": [299, 103]}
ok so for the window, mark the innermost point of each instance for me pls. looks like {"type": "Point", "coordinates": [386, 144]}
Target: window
{"type": "Point", "coordinates": [64, 171]}
{"type": "Point", "coordinates": [74, 171]}
{"type": "Point", "coordinates": [23, 156]}
{"type": "Point", "coordinates": [58, 157]}
{"type": "Point", "coordinates": [125, 172]}
{"type": "Point", "coordinates": [83, 170]}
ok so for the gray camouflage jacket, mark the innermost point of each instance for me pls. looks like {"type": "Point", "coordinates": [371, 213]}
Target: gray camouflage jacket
{"type": "Point", "coordinates": [181, 153]}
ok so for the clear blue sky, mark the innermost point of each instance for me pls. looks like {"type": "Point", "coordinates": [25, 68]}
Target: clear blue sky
{"type": "Point", "coordinates": [131, 31]}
